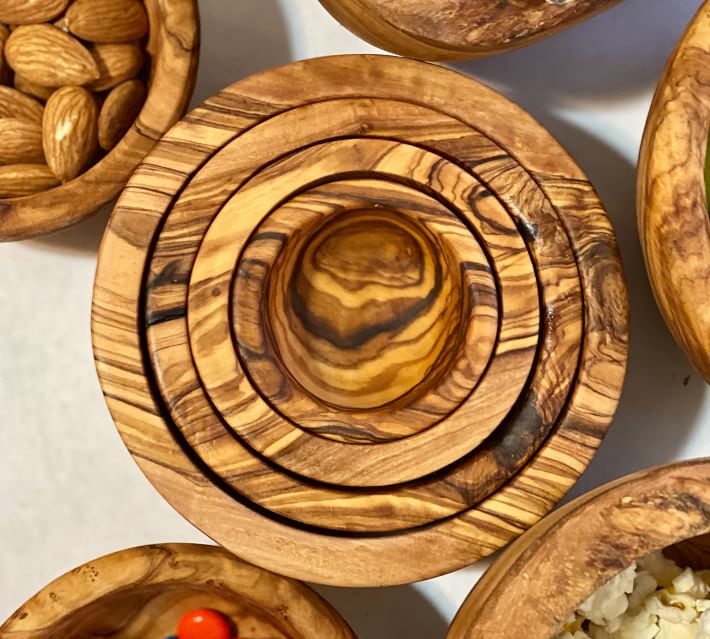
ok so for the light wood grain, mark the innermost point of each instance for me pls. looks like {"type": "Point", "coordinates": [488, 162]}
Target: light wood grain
{"type": "Point", "coordinates": [144, 591]}
{"type": "Point", "coordinates": [157, 229]}
{"type": "Point", "coordinates": [672, 202]}
{"type": "Point", "coordinates": [554, 567]}
{"type": "Point", "coordinates": [459, 29]}
{"type": "Point", "coordinates": [174, 53]}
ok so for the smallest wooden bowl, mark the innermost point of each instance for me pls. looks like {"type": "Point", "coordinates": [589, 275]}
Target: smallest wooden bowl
{"type": "Point", "coordinates": [555, 566]}
{"type": "Point", "coordinates": [173, 50]}
{"type": "Point", "coordinates": [455, 29]}
{"type": "Point", "coordinates": [672, 201]}
{"type": "Point", "coordinates": [142, 593]}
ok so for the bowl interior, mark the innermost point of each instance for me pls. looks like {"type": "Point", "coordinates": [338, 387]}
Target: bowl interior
{"type": "Point", "coordinates": [692, 553]}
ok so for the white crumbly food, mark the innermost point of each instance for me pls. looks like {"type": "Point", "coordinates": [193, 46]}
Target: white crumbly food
{"type": "Point", "coordinates": [652, 599]}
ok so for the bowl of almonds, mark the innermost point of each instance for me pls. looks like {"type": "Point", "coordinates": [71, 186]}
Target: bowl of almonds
{"type": "Point", "coordinates": [629, 560]}
{"type": "Point", "coordinates": [86, 89]}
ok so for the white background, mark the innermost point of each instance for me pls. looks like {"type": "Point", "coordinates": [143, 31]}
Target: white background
{"type": "Point", "coordinates": [68, 489]}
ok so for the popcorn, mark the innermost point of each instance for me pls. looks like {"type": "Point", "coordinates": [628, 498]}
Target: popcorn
{"type": "Point", "coordinates": [652, 599]}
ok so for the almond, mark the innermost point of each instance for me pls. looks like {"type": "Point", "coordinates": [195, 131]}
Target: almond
{"type": "Point", "coordinates": [15, 104]}
{"type": "Point", "coordinates": [31, 11]}
{"type": "Point", "coordinates": [119, 112]}
{"type": "Point", "coordinates": [20, 141]}
{"type": "Point", "coordinates": [4, 34]}
{"type": "Point", "coordinates": [69, 131]}
{"type": "Point", "coordinates": [116, 63]}
{"type": "Point", "coordinates": [17, 180]}
{"type": "Point", "coordinates": [107, 21]}
{"type": "Point", "coordinates": [49, 57]}
{"type": "Point", "coordinates": [35, 90]}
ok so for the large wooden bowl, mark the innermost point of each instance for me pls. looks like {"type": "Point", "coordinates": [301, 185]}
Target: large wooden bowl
{"type": "Point", "coordinates": [142, 593]}
{"type": "Point", "coordinates": [173, 49]}
{"type": "Point", "coordinates": [672, 202]}
{"type": "Point", "coordinates": [459, 29]}
{"type": "Point", "coordinates": [360, 319]}
{"type": "Point", "coordinates": [555, 566]}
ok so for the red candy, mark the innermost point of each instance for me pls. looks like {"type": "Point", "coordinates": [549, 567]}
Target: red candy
{"type": "Point", "coordinates": [204, 624]}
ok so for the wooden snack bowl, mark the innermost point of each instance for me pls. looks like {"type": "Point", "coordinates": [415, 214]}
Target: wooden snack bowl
{"type": "Point", "coordinates": [340, 325]}
{"type": "Point", "coordinates": [455, 30]}
{"type": "Point", "coordinates": [672, 203]}
{"type": "Point", "coordinates": [142, 593]}
{"type": "Point", "coordinates": [173, 49]}
{"type": "Point", "coordinates": [554, 567]}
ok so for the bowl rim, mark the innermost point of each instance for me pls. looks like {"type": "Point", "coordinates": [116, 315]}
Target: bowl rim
{"type": "Point", "coordinates": [672, 212]}
{"type": "Point", "coordinates": [169, 92]}
{"type": "Point", "coordinates": [558, 563]}
{"type": "Point", "coordinates": [293, 603]}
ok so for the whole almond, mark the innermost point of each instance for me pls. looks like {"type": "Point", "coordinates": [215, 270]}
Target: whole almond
{"type": "Point", "coordinates": [15, 104]}
{"type": "Point", "coordinates": [4, 35]}
{"type": "Point", "coordinates": [30, 88]}
{"type": "Point", "coordinates": [119, 112]}
{"type": "Point", "coordinates": [116, 63]}
{"type": "Point", "coordinates": [31, 11]}
{"type": "Point", "coordinates": [107, 21]}
{"type": "Point", "coordinates": [49, 57]}
{"type": "Point", "coordinates": [69, 131]}
{"type": "Point", "coordinates": [20, 142]}
{"type": "Point", "coordinates": [17, 180]}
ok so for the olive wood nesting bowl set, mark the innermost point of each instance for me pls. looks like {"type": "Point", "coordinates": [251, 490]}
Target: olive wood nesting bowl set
{"type": "Point", "coordinates": [672, 201]}
{"type": "Point", "coordinates": [173, 50]}
{"type": "Point", "coordinates": [360, 319]}
{"type": "Point", "coordinates": [144, 591]}
{"type": "Point", "coordinates": [459, 29]}
{"type": "Point", "coordinates": [553, 568]}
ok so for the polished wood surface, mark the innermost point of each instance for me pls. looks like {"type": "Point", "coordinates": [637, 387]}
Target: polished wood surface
{"type": "Point", "coordinates": [459, 29]}
{"type": "Point", "coordinates": [173, 49]}
{"type": "Point", "coordinates": [672, 200]}
{"type": "Point", "coordinates": [142, 593]}
{"type": "Point", "coordinates": [293, 160]}
{"type": "Point", "coordinates": [554, 567]}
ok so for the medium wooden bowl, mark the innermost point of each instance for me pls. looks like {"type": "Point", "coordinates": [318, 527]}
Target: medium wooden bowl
{"type": "Point", "coordinates": [341, 325]}
{"type": "Point", "coordinates": [459, 29]}
{"type": "Point", "coordinates": [142, 593]}
{"type": "Point", "coordinates": [173, 48]}
{"type": "Point", "coordinates": [672, 202]}
{"type": "Point", "coordinates": [556, 565]}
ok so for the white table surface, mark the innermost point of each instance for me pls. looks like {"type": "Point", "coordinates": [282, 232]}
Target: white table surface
{"type": "Point", "coordinates": [70, 492]}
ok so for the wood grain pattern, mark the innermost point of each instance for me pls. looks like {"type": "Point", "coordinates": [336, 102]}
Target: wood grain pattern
{"type": "Point", "coordinates": [144, 591]}
{"type": "Point", "coordinates": [478, 504]}
{"type": "Point", "coordinates": [672, 202]}
{"type": "Point", "coordinates": [174, 52]}
{"type": "Point", "coordinates": [459, 29]}
{"type": "Point", "coordinates": [554, 567]}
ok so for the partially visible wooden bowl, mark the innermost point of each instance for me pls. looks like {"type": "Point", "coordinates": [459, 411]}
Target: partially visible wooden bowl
{"type": "Point", "coordinates": [556, 565]}
{"type": "Point", "coordinates": [173, 48]}
{"type": "Point", "coordinates": [141, 594]}
{"type": "Point", "coordinates": [672, 202]}
{"type": "Point", "coordinates": [456, 29]}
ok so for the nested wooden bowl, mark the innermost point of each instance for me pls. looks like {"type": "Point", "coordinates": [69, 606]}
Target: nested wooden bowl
{"type": "Point", "coordinates": [459, 29]}
{"type": "Point", "coordinates": [173, 52]}
{"type": "Point", "coordinates": [672, 199]}
{"type": "Point", "coordinates": [359, 332]}
{"type": "Point", "coordinates": [553, 568]}
{"type": "Point", "coordinates": [142, 593]}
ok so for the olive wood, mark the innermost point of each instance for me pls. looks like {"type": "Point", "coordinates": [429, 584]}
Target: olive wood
{"type": "Point", "coordinates": [143, 592]}
{"type": "Point", "coordinates": [672, 203]}
{"type": "Point", "coordinates": [173, 47]}
{"type": "Point", "coordinates": [459, 29]}
{"type": "Point", "coordinates": [139, 324]}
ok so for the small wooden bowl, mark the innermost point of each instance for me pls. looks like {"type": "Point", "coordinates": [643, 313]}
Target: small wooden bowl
{"type": "Point", "coordinates": [362, 334]}
{"type": "Point", "coordinates": [142, 593]}
{"type": "Point", "coordinates": [556, 565]}
{"type": "Point", "coordinates": [173, 48]}
{"type": "Point", "coordinates": [453, 30]}
{"type": "Point", "coordinates": [672, 202]}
